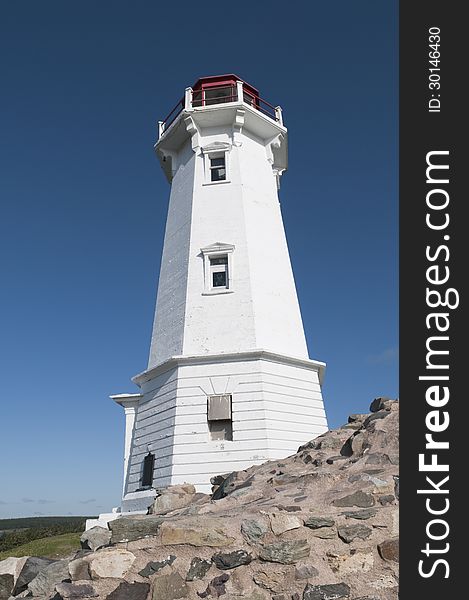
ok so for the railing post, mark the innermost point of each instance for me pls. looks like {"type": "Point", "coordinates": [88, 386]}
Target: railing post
{"type": "Point", "coordinates": [278, 115]}
{"type": "Point", "coordinates": [188, 99]}
{"type": "Point", "coordinates": [160, 128]}
{"type": "Point", "coordinates": [239, 88]}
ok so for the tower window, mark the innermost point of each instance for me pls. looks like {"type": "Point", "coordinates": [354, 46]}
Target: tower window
{"type": "Point", "coordinates": [216, 163]}
{"type": "Point", "coordinates": [219, 271]}
{"type": "Point", "coordinates": [219, 419]}
{"type": "Point", "coordinates": [218, 168]}
{"type": "Point", "coordinates": [148, 468]}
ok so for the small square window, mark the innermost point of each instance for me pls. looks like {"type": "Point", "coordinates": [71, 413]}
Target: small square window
{"type": "Point", "coordinates": [217, 168]}
{"type": "Point", "coordinates": [219, 279]}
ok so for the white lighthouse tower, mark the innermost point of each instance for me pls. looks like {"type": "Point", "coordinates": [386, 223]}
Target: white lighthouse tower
{"type": "Point", "coordinates": [229, 382]}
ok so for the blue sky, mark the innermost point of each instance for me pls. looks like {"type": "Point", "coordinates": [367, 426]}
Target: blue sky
{"type": "Point", "coordinates": [83, 207]}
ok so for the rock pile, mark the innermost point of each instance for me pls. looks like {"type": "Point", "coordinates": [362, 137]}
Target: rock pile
{"type": "Point", "coordinates": [319, 525]}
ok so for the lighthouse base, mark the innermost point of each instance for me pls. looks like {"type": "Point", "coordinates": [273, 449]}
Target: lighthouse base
{"type": "Point", "coordinates": [275, 405]}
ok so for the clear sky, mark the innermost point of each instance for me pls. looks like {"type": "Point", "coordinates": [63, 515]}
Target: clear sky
{"type": "Point", "coordinates": [83, 208]}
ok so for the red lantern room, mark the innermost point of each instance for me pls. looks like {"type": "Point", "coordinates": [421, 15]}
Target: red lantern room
{"type": "Point", "coordinates": [221, 89]}
{"type": "Point", "coordinates": [218, 89]}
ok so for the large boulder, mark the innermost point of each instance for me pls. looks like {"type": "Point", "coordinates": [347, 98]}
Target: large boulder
{"type": "Point", "coordinates": [111, 563]}
{"type": "Point", "coordinates": [172, 498]}
{"type": "Point", "coordinates": [46, 580]}
{"type": "Point", "coordinates": [31, 567]}
{"type": "Point", "coordinates": [135, 527]}
{"type": "Point", "coordinates": [95, 538]}
{"type": "Point", "coordinates": [9, 571]}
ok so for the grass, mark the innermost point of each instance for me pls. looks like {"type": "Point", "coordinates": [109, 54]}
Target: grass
{"type": "Point", "coordinates": [57, 546]}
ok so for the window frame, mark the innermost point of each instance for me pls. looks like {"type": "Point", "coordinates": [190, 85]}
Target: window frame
{"type": "Point", "coordinates": [213, 168]}
{"type": "Point", "coordinates": [216, 150]}
{"type": "Point", "coordinates": [217, 250]}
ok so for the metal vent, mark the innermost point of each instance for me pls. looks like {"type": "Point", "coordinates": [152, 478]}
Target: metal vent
{"type": "Point", "coordinates": [219, 407]}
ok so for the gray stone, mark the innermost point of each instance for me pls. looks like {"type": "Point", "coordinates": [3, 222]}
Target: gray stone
{"type": "Point", "coordinates": [46, 580]}
{"type": "Point", "coordinates": [169, 587]}
{"type": "Point", "coordinates": [218, 479]}
{"type": "Point", "coordinates": [306, 572]}
{"type": "Point", "coordinates": [79, 569]}
{"type": "Point", "coordinates": [396, 486]}
{"type": "Point", "coordinates": [231, 560]}
{"type": "Point", "coordinates": [253, 529]}
{"type": "Point", "coordinates": [287, 552]}
{"type": "Point", "coordinates": [357, 417]}
{"type": "Point", "coordinates": [128, 529]}
{"type": "Point", "coordinates": [7, 581]}
{"type": "Point", "coordinates": [172, 498]}
{"type": "Point", "coordinates": [355, 426]}
{"type": "Point", "coordinates": [378, 458]}
{"type": "Point", "coordinates": [361, 515]}
{"type": "Point", "coordinates": [31, 568]}
{"type": "Point", "coordinates": [389, 549]}
{"type": "Point", "coordinates": [382, 414]}
{"type": "Point", "coordinates": [95, 538]}
{"type": "Point", "coordinates": [332, 591]}
{"type": "Point", "coordinates": [75, 590]}
{"type": "Point", "coordinates": [387, 499]}
{"type": "Point", "coordinates": [199, 567]}
{"type": "Point", "coordinates": [381, 403]}
{"type": "Point", "coordinates": [318, 522]}
{"type": "Point", "coordinates": [360, 499]}
{"type": "Point", "coordinates": [234, 481]}
{"type": "Point", "coordinates": [215, 588]}
{"type": "Point", "coordinates": [329, 443]}
{"type": "Point", "coordinates": [333, 459]}
{"type": "Point", "coordinates": [200, 532]}
{"type": "Point", "coordinates": [155, 566]}
{"type": "Point", "coordinates": [130, 591]}
{"type": "Point", "coordinates": [25, 594]}
{"type": "Point", "coordinates": [352, 532]}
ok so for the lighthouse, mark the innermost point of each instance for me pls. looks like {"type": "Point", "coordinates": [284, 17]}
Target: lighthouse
{"type": "Point", "coordinates": [229, 381]}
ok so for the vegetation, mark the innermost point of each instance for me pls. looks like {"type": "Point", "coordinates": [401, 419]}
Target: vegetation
{"type": "Point", "coordinates": [40, 522]}
{"type": "Point", "coordinates": [57, 546]}
{"type": "Point", "coordinates": [16, 533]}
